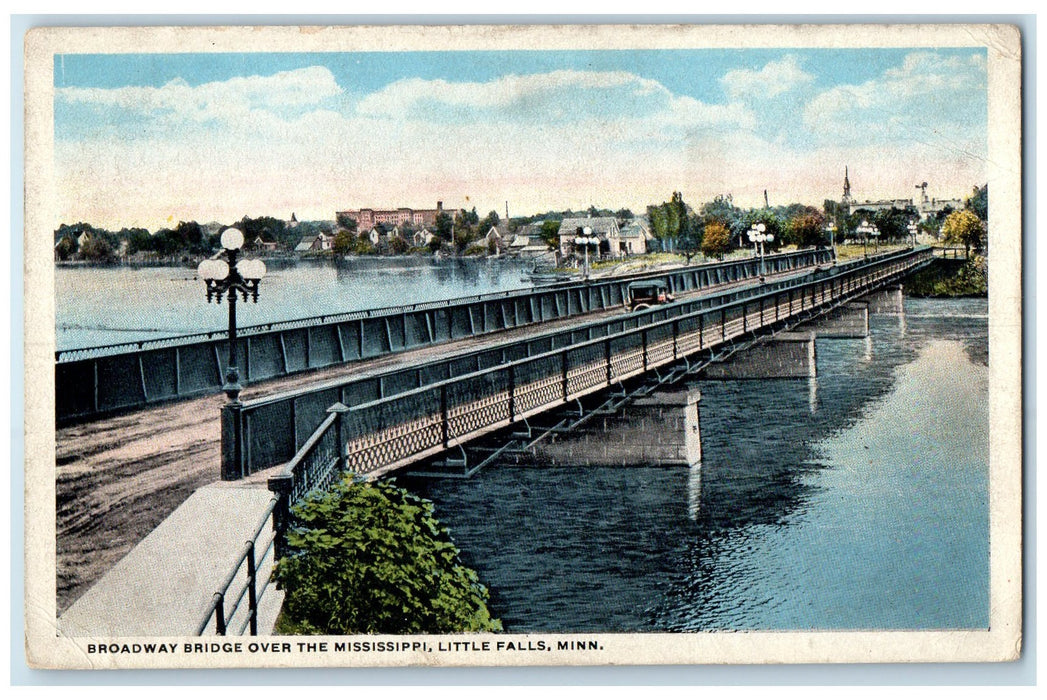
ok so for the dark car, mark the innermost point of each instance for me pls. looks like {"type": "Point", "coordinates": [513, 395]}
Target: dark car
{"type": "Point", "coordinates": [643, 295]}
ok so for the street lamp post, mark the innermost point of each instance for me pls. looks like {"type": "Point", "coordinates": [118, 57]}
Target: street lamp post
{"type": "Point", "coordinates": [913, 228]}
{"type": "Point", "coordinates": [831, 228]}
{"type": "Point", "coordinates": [758, 236]}
{"type": "Point", "coordinates": [866, 230]}
{"type": "Point", "coordinates": [229, 278]}
{"type": "Point", "coordinates": [585, 240]}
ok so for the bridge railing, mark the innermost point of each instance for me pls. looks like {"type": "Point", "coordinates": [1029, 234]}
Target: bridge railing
{"type": "Point", "coordinates": [951, 253]}
{"type": "Point", "coordinates": [235, 604]}
{"type": "Point", "coordinates": [99, 380]}
{"type": "Point", "coordinates": [278, 424]}
{"type": "Point", "coordinates": [523, 378]}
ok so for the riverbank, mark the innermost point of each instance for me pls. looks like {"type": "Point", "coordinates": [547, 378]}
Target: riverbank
{"type": "Point", "coordinates": [947, 279]}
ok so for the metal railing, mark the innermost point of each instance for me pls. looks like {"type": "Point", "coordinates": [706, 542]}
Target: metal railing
{"type": "Point", "coordinates": [451, 412]}
{"type": "Point", "coordinates": [286, 417]}
{"type": "Point", "coordinates": [952, 253]}
{"type": "Point", "coordinates": [316, 465]}
{"type": "Point", "coordinates": [103, 379]}
{"type": "Point", "coordinates": [250, 577]}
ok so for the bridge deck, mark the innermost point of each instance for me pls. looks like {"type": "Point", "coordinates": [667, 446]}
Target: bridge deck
{"type": "Point", "coordinates": [119, 478]}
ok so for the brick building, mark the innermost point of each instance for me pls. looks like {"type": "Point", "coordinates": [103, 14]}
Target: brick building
{"type": "Point", "coordinates": [366, 219]}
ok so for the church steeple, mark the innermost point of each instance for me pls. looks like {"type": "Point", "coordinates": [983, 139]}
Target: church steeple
{"type": "Point", "coordinates": [846, 186]}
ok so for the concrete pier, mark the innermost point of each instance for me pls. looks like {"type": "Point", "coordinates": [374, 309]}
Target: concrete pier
{"type": "Point", "coordinates": [785, 356]}
{"type": "Point", "coordinates": [890, 300]}
{"type": "Point", "coordinates": [849, 321]}
{"type": "Point", "coordinates": [663, 428]}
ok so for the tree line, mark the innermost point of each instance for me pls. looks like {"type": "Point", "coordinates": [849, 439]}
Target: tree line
{"type": "Point", "coordinates": [713, 228]}
{"type": "Point", "coordinates": [82, 241]}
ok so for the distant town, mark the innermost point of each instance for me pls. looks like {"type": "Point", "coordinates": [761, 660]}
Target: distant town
{"type": "Point", "coordinates": [711, 228]}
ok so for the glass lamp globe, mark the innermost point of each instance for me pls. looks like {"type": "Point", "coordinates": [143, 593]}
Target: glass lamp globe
{"type": "Point", "coordinates": [232, 239]}
{"type": "Point", "coordinates": [251, 269]}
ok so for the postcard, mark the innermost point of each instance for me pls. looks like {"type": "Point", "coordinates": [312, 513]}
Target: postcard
{"type": "Point", "coordinates": [522, 345]}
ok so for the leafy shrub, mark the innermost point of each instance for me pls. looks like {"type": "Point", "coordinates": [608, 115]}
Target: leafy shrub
{"type": "Point", "coordinates": [372, 559]}
{"type": "Point", "coordinates": [970, 280]}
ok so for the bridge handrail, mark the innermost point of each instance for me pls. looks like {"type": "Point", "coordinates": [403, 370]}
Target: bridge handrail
{"type": "Point", "coordinates": [783, 285]}
{"type": "Point", "coordinates": [294, 480]}
{"type": "Point", "coordinates": [248, 558]}
{"type": "Point", "coordinates": [75, 354]}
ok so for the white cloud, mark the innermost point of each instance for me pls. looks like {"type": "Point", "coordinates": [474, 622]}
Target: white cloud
{"type": "Point", "coordinates": [929, 98]}
{"type": "Point", "coordinates": [774, 79]}
{"type": "Point", "coordinates": [226, 100]}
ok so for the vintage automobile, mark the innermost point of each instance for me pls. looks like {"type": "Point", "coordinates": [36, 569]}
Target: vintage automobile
{"type": "Point", "coordinates": [645, 294]}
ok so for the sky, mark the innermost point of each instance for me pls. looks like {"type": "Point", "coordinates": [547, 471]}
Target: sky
{"type": "Point", "coordinates": [152, 139]}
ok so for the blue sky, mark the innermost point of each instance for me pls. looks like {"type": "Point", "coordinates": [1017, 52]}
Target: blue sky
{"type": "Point", "coordinates": [146, 139]}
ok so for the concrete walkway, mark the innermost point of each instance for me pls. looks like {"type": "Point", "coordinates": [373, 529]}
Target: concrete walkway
{"type": "Point", "coordinates": [164, 586]}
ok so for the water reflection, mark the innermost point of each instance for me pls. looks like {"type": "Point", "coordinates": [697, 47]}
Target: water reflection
{"type": "Point", "coordinates": [694, 490]}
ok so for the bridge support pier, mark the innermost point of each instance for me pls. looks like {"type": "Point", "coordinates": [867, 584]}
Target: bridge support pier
{"type": "Point", "coordinates": [849, 321]}
{"type": "Point", "coordinates": [785, 356]}
{"type": "Point", "coordinates": [660, 429]}
{"type": "Point", "coordinates": [888, 300]}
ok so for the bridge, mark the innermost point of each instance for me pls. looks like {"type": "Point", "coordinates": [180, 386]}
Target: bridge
{"type": "Point", "coordinates": [431, 415]}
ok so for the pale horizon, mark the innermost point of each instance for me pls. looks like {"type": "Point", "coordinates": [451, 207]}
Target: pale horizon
{"type": "Point", "coordinates": [150, 140]}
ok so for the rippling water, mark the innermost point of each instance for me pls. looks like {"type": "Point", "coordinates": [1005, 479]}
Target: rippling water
{"type": "Point", "coordinates": [858, 500]}
{"type": "Point", "coordinates": [102, 305]}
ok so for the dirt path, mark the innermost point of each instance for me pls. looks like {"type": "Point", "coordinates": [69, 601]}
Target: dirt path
{"type": "Point", "coordinates": [118, 478]}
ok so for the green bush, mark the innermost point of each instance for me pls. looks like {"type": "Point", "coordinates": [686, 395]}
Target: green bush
{"type": "Point", "coordinates": [970, 280]}
{"type": "Point", "coordinates": [371, 558]}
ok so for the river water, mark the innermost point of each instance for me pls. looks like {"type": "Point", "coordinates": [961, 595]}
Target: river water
{"type": "Point", "coordinates": [103, 305]}
{"type": "Point", "coordinates": [854, 501]}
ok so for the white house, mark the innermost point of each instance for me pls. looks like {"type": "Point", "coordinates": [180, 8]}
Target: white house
{"type": "Point", "coordinates": [422, 238]}
{"type": "Point", "coordinates": [634, 237]}
{"type": "Point", "coordinates": [605, 228]}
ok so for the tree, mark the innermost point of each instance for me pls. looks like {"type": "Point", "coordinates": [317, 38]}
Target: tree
{"type": "Point", "coordinates": [492, 219]}
{"type": "Point", "coordinates": [66, 248]}
{"type": "Point", "coordinates": [979, 202]}
{"type": "Point", "coordinates": [371, 558]}
{"type": "Point", "coordinates": [966, 229]}
{"type": "Point", "coordinates": [97, 249]}
{"type": "Point", "coordinates": [346, 222]}
{"type": "Point", "coordinates": [191, 237]}
{"type": "Point", "coordinates": [443, 227]}
{"type": "Point", "coordinates": [773, 225]}
{"type": "Point", "coordinates": [894, 223]}
{"type": "Point", "coordinates": [137, 239]}
{"type": "Point", "coordinates": [717, 239]}
{"type": "Point", "coordinates": [671, 221]}
{"type": "Point", "coordinates": [398, 245]}
{"type": "Point", "coordinates": [344, 242]}
{"type": "Point", "coordinates": [806, 229]}
{"type": "Point", "coordinates": [550, 233]}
